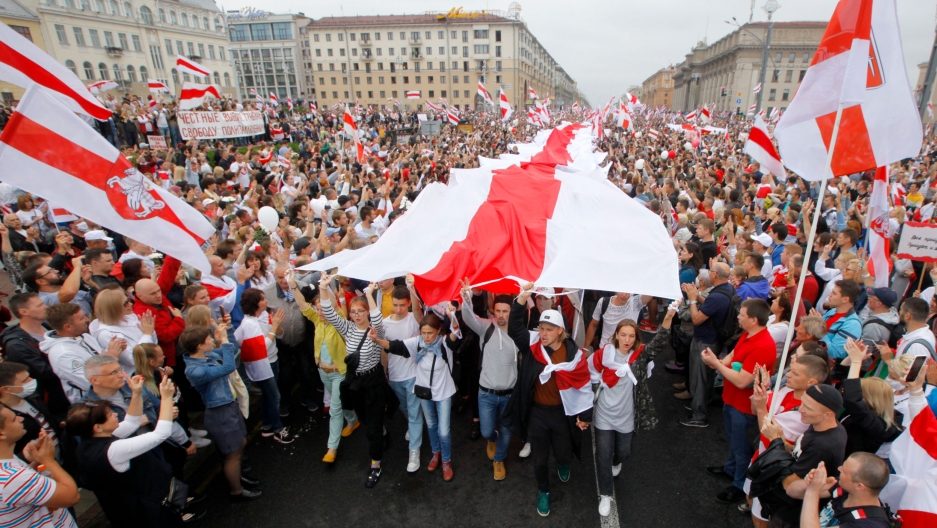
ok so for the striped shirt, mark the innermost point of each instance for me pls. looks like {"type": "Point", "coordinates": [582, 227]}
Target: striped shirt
{"type": "Point", "coordinates": [23, 493]}
{"type": "Point", "coordinates": [370, 355]}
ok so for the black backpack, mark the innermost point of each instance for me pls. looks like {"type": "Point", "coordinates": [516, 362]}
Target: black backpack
{"type": "Point", "coordinates": [730, 332]}
{"type": "Point", "coordinates": [895, 331]}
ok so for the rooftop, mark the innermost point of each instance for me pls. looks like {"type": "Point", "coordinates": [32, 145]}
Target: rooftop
{"type": "Point", "coordinates": [404, 20]}
{"type": "Point", "coordinates": [14, 9]}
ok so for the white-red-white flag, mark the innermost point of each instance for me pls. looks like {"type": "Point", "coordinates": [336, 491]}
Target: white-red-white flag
{"type": "Point", "coordinates": [705, 116]}
{"type": "Point", "coordinates": [273, 99]}
{"type": "Point", "coordinates": [102, 86]}
{"type": "Point", "coordinates": [757, 88]}
{"type": "Point", "coordinates": [289, 102]}
{"type": "Point", "coordinates": [911, 491]}
{"type": "Point", "coordinates": [930, 110]}
{"type": "Point", "coordinates": [157, 86]}
{"type": "Point", "coordinates": [752, 108]}
{"type": "Point", "coordinates": [47, 150]}
{"type": "Point", "coordinates": [484, 93]}
{"type": "Point", "coordinates": [191, 67]}
{"type": "Point", "coordinates": [313, 107]}
{"type": "Point", "coordinates": [59, 215]}
{"type": "Point", "coordinates": [252, 336]}
{"type": "Point", "coordinates": [413, 94]}
{"type": "Point", "coordinates": [24, 64]}
{"type": "Point", "coordinates": [691, 116]}
{"type": "Point", "coordinates": [452, 116]}
{"type": "Point", "coordinates": [506, 110]}
{"type": "Point", "coordinates": [531, 93]}
{"type": "Point", "coordinates": [859, 64]}
{"type": "Point", "coordinates": [194, 94]}
{"type": "Point", "coordinates": [352, 129]}
{"type": "Point", "coordinates": [653, 133]}
{"type": "Point", "coordinates": [880, 264]}
{"type": "Point", "coordinates": [433, 107]}
{"type": "Point", "coordinates": [761, 149]}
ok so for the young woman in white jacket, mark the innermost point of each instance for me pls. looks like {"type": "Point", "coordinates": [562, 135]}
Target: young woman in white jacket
{"type": "Point", "coordinates": [114, 317]}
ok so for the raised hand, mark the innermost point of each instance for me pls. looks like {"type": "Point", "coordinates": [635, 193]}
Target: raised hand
{"type": "Point", "coordinates": [147, 324]}
{"type": "Point", "coordinates": [116, 346]}
{"type": "Point", "coordinates": [134, 382]}
{"type": "Point", "coordinates": [166, 389]}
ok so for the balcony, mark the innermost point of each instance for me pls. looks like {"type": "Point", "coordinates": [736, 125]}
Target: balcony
{"type": "Point", "coordinates": [364, 43]}
{"type": "Point", "coordinates": [196, 58]}
{"type": "Point", "coordinates": [415, 54]}
{"type": "Point", "coordinates": [114, 51]}
{"type": "Point", "coordinates": [413, 40]}
{"type": "Point", "coordinates": [367, 56]}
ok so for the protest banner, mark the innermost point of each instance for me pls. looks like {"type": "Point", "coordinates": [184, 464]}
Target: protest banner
{"type": "Point", "coordinates": [156, 142]}
{"type": "Point", "coordinates": [918, 242]}
{"type": "Point", "coordinates": [210, 125]}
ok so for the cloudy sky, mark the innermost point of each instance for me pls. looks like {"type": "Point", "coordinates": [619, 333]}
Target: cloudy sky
{"type": "Point", "coordinates": [607, 46]}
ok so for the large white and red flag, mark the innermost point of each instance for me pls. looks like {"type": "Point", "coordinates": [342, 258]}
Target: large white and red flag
{"type": "Point", "coordinates": [59, 215]}
{"type": "Point", "coordinates": [623, 118]}
{"type": "Point", "coordinates": [880, 264]}
{"type": "Point", "coordinates": [194, 94]}
{"type": "Point", "coordinates": [24, 64]}
{"type": "Point", "coordinates": [911, 491]}
{"type": "Point", "coordinates": [431, 106]}
{"type": "Point", "coordinates": [531, 94]}
{"type": "Point", "coordinates": [528, 221]}
{"type": "Point", "coordinates": [252, 336]}
{"type": "Point", "coordinates": [191, 67]}
{"type": "Point", "coordinates": [761, 149]}
{"type": "Point", "coordinates": [757, 88]}
{"type": "Point", "coordinates": [631, 100]}
{"type": "Point", "coordinates": [222, 292]}
{"type": "Point", "coordinates": [859, 64]}
{"type": "Point", "coordinates": [47, 150]}
{"type": "Point", "coordinates": [506, 110]}
{"type": "Point", "coordinates": [484, 93]}
{"type": "Point", "coordinates": [273, 99]}
{"type": "Point", "coordinates": [352, 129]}
{"type": "Point", "coordinates": [413, 94]}
{"type": "Point", "coordinates": [102, 86]}
{"type": "Point", "coordinates": [157, 86]}
{"type": "Point", "coordinates": [691, 116]}
{"type": "Point", "coordinates": [705, 116]}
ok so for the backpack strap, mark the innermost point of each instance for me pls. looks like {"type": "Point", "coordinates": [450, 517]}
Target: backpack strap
{"type": "Point", "coordinates": [927, 345]}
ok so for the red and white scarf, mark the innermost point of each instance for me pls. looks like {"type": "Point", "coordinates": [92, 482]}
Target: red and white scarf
{"type": "Point", "coordinates": [572, 379]}
{"type": "Point", "coordinates": [787, 416]}
{"type": "Point", "coordinates": [222, 292]}
{"type": "Point", "coordinates": [604, 368]}
{"type": "Point", "coordinates": [252, 336]}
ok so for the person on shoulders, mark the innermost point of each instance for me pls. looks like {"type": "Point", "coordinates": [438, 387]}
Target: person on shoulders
{"type": "Point", "coordinates": [755, 286]}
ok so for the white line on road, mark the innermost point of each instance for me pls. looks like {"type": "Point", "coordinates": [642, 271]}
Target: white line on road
{"type": "Point", "coordinates": [612, 520]}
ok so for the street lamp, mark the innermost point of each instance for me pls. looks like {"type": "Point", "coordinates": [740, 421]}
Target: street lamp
{"type": "Point", "coordinates": [770, 7]}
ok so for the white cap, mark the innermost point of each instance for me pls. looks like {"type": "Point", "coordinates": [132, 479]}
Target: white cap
{"type": "Point", "coordinates": [545, 291]}
{"type": "Point", "coordinates": [207, 201]}
{"type": "Point", "coordinates": [764, 239]}
{"type": "Point", "coordinates": [97, 234]}
{"type": "Point", "coordinates": [553, 317]}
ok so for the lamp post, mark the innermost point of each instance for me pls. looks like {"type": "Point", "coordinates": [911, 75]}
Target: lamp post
{"type": "Point", "coordinates": [770, 7]}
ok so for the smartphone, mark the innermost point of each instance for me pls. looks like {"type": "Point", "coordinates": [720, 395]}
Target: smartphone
{"type": "Point", "coordinates": [915, 369]}
{"type": "Point", "coordinates": [221, 309]}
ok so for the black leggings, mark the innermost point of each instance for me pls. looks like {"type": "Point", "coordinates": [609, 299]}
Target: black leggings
{"type": "Point", "coordinates": [370, 406]}
{"type": "Point", "coordinates": [549, 427]}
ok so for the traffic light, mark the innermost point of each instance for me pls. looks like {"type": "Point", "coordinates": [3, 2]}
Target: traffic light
{"type": "Point", "coordinates": [723, 91]}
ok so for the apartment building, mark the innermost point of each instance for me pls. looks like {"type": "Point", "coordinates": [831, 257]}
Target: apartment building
{"type": "Point", "coordinates": [267, 53]}
{"type": "Point", "coordinates": [657, 89]}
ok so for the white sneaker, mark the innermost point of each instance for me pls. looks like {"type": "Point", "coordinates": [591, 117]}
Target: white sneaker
{"type": "Point", "coordinates": [414, 465]}
{"type": "Point", "coordinates": [605, 505]}
{"type": "Point", "coordinates": [616, 470]}
{"type": "Point", "coordinates": [200, 442]}
{"type": "Point", "coordinates": [407, 436]}
{"type": "Point", "coordinates": [198, 432]}
{"type": "Point", "coordinates": [525, 452]}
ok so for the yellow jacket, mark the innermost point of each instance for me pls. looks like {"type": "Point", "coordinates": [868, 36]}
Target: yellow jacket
{"type": "Point", "coordinates": [333, 340]}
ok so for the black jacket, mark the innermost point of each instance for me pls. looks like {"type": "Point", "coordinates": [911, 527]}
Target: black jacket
{"type": "Point", "coordinates": [21, 347]}
{"type": "Point", "coordinates": [517, 414]}
{"type": "Point", "coordinates": [865, 430]}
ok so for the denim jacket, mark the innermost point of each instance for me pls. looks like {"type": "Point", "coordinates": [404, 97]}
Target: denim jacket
{"type": "Point", "coordinates": [209, 376]}
{"type": "Point", "coordinates": [150, 410]}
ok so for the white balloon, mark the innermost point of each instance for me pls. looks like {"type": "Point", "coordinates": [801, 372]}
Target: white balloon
{"type": "Point", "coordinates": [688, 145]}
{"type": "Point", "coordinates": [664, 155]}
{"type": "Point", "coordinates": [639, 165]}
{"type": "Point", "coordinates": [269, 218]}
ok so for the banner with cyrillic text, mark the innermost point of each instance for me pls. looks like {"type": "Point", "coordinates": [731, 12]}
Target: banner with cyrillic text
{"type": "Point", "coordinates": [918, 242]}
{"type": "Point", "coordinates": [211, 125]}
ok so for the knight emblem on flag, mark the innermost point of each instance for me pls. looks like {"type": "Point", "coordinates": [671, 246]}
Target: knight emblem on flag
{"type": "Point", "coordinates": [136, 189]}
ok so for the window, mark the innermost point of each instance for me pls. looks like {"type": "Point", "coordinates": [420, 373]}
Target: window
{"type": "Point", "coordinates": [136, 42]}
{"type": "Point", "coordinates": [498, 79]}
{"type": "Point", "coordinates": [191, 49]}
{"type": "Point", "coordinates": [131, 74]}
{"type": "Point", "coordinates": [380, 80]}
{"type": "Point", "coordinates": [71, 66]}
{"type": "Point", "coordinates": [168, 46]}
{"type": "Point", "coordinates": [802, 73]}
{"type": "Point", "coordinates": [319, 66]}
{"type": "Point", "coordinates": [442, 67]}
{"type": "Point", "coordinates": [354, 52]}
{"type": "Point", "coordinates": [341, 37]}
{"type": "Point", "coordinates": [465, 78]}
{"type": "Point", "coordinates": [497, 51]}
{"type": "Point", "coordinates": [776, 75]}
{"type": "Point", "coordinates": [332, 66]}
{"type": "Point", "coordinates": [788, 77]}
{"type": "Point", "coordinates": [128, 10]}
{"type": "Point", "coordinates": [806, 58]}
{"type": "Point", "coordinates": [341, 51]}
{"type": "Point", "coordinates": [328, 52]}
{"type": "Point", "coordinates": [102, 71]}
{"type": "Point", "coordinates": [481, 48]}
{"type": "Point", "coordinates": [465, 36]}
{"type": "Point", "coordinates": [118, 72]}
{"type": "Point", "coordinates": [790, 58]}
{"type": "Point", "coordinates": [24, 31]}
{"type": "Point", "coordinates": [185, 19]}
{"type": "Point", "coordinates": [378, 50]}
{"type": "Point", "coordinates": [217, 78]}
{"type": "Point", "coordinates": [60, 33]}
{"type": "Point", "coordinates": [351, 37]}
{"type": "Point", "coordinates": [440, 35]}
{"type": "Point", "coordinates": [109, 39]}
{"type": "Point", "coordinates": [172, 18]}
{"type": "Point", "coordinates": [334, 81]}
{"type": "Point", "coordinates": [220, 53]}
{"type": "Point", "coordinates": [429, 50]}
{"type": "Point", "coordinates": [157, 57]}
{"type": "Point", "coordinates": [465, 51]}
{"type": "Point", "coordinates": [146, 15]}
{"type": "Point", "coordinates": [418, 79]}
{"type": "Point", "coordinates": [211, 51]}
{"type": "Point", "coordinates": [79, 37]}
{"type": "Point", "coordinates": [328, 37]}
{"type": "Point", "coordinates": [415, 35]}
{"type": "Point", "coordinates": [315, 37]}
{"type": "Point", "coordinates": [455, 78]}
{"type": "Point", "coordinates": [785, 95]}
{"type": "Point", "coordinates": [383, 94]}
{"type": "Point", "coordinates": [122, 37]}
{"type": "Point", "coordinates": [95, 39]}
{"type": "Point", "coordinates": [481, 33]}
{"type": "Point", "coordinates": [260, 31]}
{"type": "Point", "coordinates": [143, 77]}
{"type": "Point", "coordinates": [498, 35]}
{"type": "Point", "coordinates": [442, 93]}
{"type": "Point", "coordinates": [406, 80]}
{"type": "Point", "coordinates": [772, 95]}
{"type": "Point", "coordinates": [357, 80]}
{"type": "Point", "coordinates": [777, 57]}
{"type": "Point", "coordinates": [497, 66]}
{"type": "Point", "coordinates": [179, 47]}
{"type": "Point", "coordinates": [99, 6]}
{"type": "Point", "coordinates": [455, 50]}
{"type": "Point", "coordinates": [113, 7]}
{"type": "Point", "coordinates": [175, 77]}
{"type": "Point", "coordinates": [89, 71]}
{"type": "Point", "coordinates": [282, 31]}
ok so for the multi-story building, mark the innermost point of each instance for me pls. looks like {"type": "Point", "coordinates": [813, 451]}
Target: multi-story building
{"type": "Point", "coordinates": [919, 91]}
{"type": "Point", "coordinates": [26, 23]}
{"type": "Point", "coordinates": [375, 58]}
{"type": "Point", "coordinates": [657, 89]}
{"type": "Point", "coordinates": [727, 71]}
{"type": "Point", "coordinates": [268, 53]}
{"type": "Point", "coordinates": [130, 41]}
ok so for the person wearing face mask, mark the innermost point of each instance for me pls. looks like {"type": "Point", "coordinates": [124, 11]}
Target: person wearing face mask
{"type": "Point", "coordinates": [18, 392]}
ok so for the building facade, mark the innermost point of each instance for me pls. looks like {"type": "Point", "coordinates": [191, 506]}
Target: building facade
{"type": "Point", "coordinates": [727, 71]}
{"type": "Point", "coordinates": [267, 53]}
{"type": "Point", "coordinates": [919, 92]}
{"type": "Point", "coordinates": [26, 23]}
{"type": "Point", "coordinates": [131, 41]}
{"type": "Point", "coordinates": [375, 58]}
{"type": "Point", "coordinates": [657, 90]}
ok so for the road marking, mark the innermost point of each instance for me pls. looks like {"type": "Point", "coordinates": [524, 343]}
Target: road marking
{"type": "Point", "coordinates": [612, 520]}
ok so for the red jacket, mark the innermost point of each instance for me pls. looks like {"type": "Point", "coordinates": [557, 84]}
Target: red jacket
{"type": "Point", "coordinates": [168, 327]}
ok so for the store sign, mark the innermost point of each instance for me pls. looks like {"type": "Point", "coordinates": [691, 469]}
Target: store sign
{"type": "Point", "coordinates": [456, 12]}
{"type": "Point", "coordinates": [248, 13]}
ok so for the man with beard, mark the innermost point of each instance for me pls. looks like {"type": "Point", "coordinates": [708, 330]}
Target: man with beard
{"type": "Point", "coordinates": [54, 289]}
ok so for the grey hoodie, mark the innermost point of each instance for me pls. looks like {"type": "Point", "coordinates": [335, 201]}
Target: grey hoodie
{"type": "Point", "coordinates": [499, 357]}
{"type": "Point", "coordinates": [876, 332]}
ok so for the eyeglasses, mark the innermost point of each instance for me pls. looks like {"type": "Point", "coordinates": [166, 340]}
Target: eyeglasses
{"type": "Point", "coordinates": [51, 270]}
{"type": "Point", "coordinates": [116, 372]}
{"type": "Point", "coordinates": [358, 312]}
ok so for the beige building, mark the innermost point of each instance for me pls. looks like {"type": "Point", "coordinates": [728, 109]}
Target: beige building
{"type": "Point", "coordinates": [26, 23]}
{"type": "Point", "coordinates": [130, 41]}
{"type": "Point", "coordinates": [733, 65]}
{"type": "Point", "coordinates": [919, 89]}
{"type": "Point", "coordinates": [657, 90]}
{"type": "Point", "coordinates": [376, 58]}
{"type": "Point", "coordinates": [268, 53]}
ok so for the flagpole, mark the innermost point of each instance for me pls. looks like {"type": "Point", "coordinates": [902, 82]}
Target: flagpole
{"type": "Point", "coordinates": [806, 264]}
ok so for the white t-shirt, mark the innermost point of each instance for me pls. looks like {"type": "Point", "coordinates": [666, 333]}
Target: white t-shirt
{"type": "Point", "coordinates": [630, 310]}
{"type": "Point", "coordinates": [400, 368]}
{"type": "Point", "coordinates": [23, 493]}
{"type": "Point", "coordinates": [366, 232]}
{"type": "Point", "coordinates": [242, 172]}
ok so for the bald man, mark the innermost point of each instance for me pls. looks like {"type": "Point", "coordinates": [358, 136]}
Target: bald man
{"type": "Point", "coordinates": [708, 316]}
{"type": "Point", "coordinates": [150, 296]}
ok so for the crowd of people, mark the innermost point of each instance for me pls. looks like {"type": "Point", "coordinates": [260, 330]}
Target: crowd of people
{"type": "Point", "coordinates": [124, 361]}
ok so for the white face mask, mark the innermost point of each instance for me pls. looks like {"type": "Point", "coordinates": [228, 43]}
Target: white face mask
{"type": "Point", "coordinates": [82, 226]}
{"type": "Point", "coordinates": [29, 389]}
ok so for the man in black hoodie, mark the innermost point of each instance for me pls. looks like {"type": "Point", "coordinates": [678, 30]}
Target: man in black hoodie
{"type": "Point", "coordinates": [21, 345]}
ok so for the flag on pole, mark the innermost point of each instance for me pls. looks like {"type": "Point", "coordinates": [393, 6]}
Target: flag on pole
{"type": "Point", "coordinates": [191, 67]}
{"type": "Point", "coordinates": [691, 116]}
{"type": "Point", "coordinates": [47, 150]}
{"type": "Point", "coordinates": [757, 88]}
{"type": "Point", "coordinates": [259, 99]}
{"type": "Point", "coordinates": [59, 215]}
{"type": "Point", "coordinates": [413, 94]}
{"type": "Point", "coordinates": [253, 91]}
{"type": "Point", "coordinates": [861, 66]}
{"type": "Point", "coordinates": [761, 149]}
{"type": "Point", "coordinates": [24, 64]}
{"type": "Point", "coordinates": [157, 86]}
{"type": "Point", "coordinates": [930, 110]}
{"type": "Point", "coordinates": [879, 230]}
{"type": "Point", "coordinates": [352, 129]}
{"type": "Point", "coordinates": [452, 116]}
{"type": "Point", "coordinates": [253, 340]}
{"type": "Point", "coordinates": [273, 99]}
{"type": "Point", "coordinates": [312, 106]}
{"type": "Point", "coordinates": [632, 99]}
{"type": "Point", "coordinates": [705, 116]}
{"type": "Point", "coordinates": [433, 107]}
{"type": "Point", "coordinates": [752, 108]}
{"type": "Point", "coordinates": [911, 491]}
{"type": "Point", "coordinates": [289, 103]}
{"type": "Point", "coordinates": [102, 86]}
{"type": "Point", "coordinates": [194, 94]}
{"type": "Point", "coordinates": [484, 93]}
{"type": "Point", "coordinates": [531, 93]}
{"type": "Point", "coordinates": [506, 110]}
{"type": "Point", "coordinates": [653, 133]}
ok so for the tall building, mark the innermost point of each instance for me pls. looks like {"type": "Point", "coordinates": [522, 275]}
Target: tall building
{"type": "Point", "coordinates": [657, 89]}
{"type": "Point", "coordinates": [266, 51]}
{"type": "Point", "coordinates": [375, 58]}
{"type": "Point", "coordinates": [26, 23]}
{"type": "Point", "coordinates": [726, 71]}
{"type": "Point", "coordinates": [130, 41]}
{"type": "Point", "coordinates": [919, 91]}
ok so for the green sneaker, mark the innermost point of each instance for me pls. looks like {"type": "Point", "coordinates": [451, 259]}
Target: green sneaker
{"type": "Point", "coordinates": [563, 472]}
{"type": "Point", "coordinates": [543, 504]}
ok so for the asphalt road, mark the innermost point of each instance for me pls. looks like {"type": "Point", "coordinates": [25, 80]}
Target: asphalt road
{"type": "Point", "coordinates": [664, 483]}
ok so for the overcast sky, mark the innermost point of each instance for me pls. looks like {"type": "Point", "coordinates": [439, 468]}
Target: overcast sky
{"type": "Point", "coordinates": [607, 46]}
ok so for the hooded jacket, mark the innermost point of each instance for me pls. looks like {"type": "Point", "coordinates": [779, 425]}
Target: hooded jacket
{"type": "Point", "coordinates": [756, 287]}
{"type": "Point", "coordinates": [21, 347]}
{"type": "Point", "coordinates": [67, 356]}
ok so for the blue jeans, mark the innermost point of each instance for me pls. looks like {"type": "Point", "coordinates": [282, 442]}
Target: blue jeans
{"type": "Point", "coordinates": [337, 415]}
{"type": "Point", "coordinates": [490, 409]}
{"type": "Point", "coordinates": [437, 415]}
{"type": "Point", "coordinates": [411, 406]}
{"type": "Point", "coordinates": [270, 400]}
{"type": "Point", "coordinates": [174, 136]}
{"type": "Point", "coordinates": [740, 450]}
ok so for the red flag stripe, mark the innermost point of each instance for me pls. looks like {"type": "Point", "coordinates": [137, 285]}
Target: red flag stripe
{"type": "Point", "coordinates": [924, 432]}
{"type": "Point", "coordinates": [196, 93]}
{"type": "Point", "coordinates": [253, 349]}
{"type": "Point", "coordinates": [758, 137]}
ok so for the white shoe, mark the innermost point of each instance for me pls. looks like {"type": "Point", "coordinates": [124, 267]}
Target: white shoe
{"type": "Point", "coordinates": [525, 452]}
{"type": "Point", "coordinates": [198, 432]}
{"type": "Point", "coordinates": [616, 470]}
{"type": "Point", "coordinates": [407, 436]}
{"type": "Point", "coordinates": [200, 442]}
{"type": "Point", "coordinates": [605, 505]}
{"type": "Point", "coordinates": [414, 464]}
